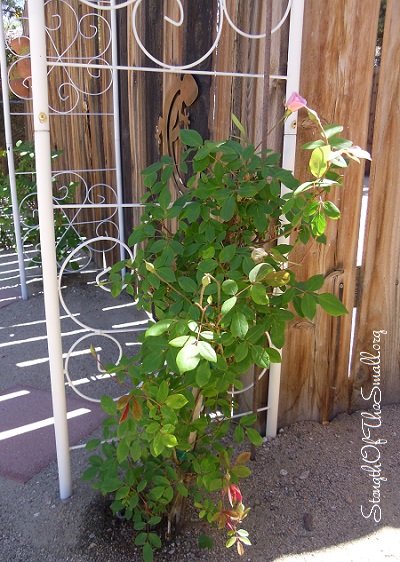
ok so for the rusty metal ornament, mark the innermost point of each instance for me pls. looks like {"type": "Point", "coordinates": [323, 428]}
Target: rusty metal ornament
{"type": "Point", "coordinates": [182, 94]}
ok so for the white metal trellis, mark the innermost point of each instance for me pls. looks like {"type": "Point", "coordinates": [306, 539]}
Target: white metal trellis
{"type": "Point", "coordinates": [42, 115]}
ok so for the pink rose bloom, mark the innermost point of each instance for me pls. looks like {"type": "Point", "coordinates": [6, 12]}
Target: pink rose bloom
{"type": "Point", "coordinates": [295, 102]}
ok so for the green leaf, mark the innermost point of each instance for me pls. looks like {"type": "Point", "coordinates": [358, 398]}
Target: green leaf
{"type": "Point", "coordinates": [111, 485]}
{"type": "Point", "coordinates": [229, 287]}
{"type": "Point", "coordinates": [249, 419]}
{"type": "Point", "coordinates": [90, 473]}
{"type": "Point", "coordinates": [164, 198]}
{"type": "Point", "coordinates": [116, 288]}
{"type": "Point", "coordinates": [227, 253]}
{"type": "Point", "coordinates": [319, 161]}
{"type": "Point", "coordinates": [240, 470]}
{"type": "Point", "coordinates": [245, 540]}
{"type": "Point", "coordinates": [108, 405]}
{"type": "Point", "coordinates": [158, 245]}
{"type": "Point", "coordinates": [207, 266]}
{"type": "Point", "coordinates": [93, 444]}
{"type": "Point", "coordinates": [208, 253]}
{"type": "Point", "coordinates": [169, 440]}
{"type": "Point", "coordinates": [153, 537]}
{"type": "Point", "coordinates": [331, 304]}
{"type": "Point", "coordinates": [238, 125]}
{"type": "Point", "coordinates": [331, 130]}
{"type": "Point", "coordinates": [168, 428]}
{"type": "Point", "coordinates": [201, 165]}
{"type": "Point", "coordinates": [239, 325]}
{"type": "Point", "coordinates": [188, 284]}
{"type": "Point", "coordinates": [158, 328]}
{"type": "Point", "coordinates": [141, 539]}
{"type": "Point", "coordinates": [152, 362]}
{"type": "Point", "coordinates": [228, 208]}
{"type": "Point", "coordinates": [135, 451]}
{"type": "Point", "coordinates": [228, 305]}
{"type": "Point", "coordinates": [158, 446]}
{"type": "Point", "coordinates": [309, 306]}
{"type": "Point", "coordinates": [255, 333]}
{"type": "Point", "coordinates": [162, 392]}
{"type": "Point", "coordinates": [239, 434]}
{"type": "Point", "coordinates": [274, 355]}
{"type": "Point", "coordinates": [203, 374]}
{"type": "Point", "coordinates": [339, 143]}
{"type": "Point", "coordinates": [259, 272]}
{"type": "Point", "coordinates": [258, 294]}
{"type": "Point", "coordinates": [181, 341]}
{"type": "Point", "coordinates": [254, 437]}
{"type": "Point", "coordinates": [188, 358]}
{"type": "Point", "coordinates": [313, 144]}
{"type": "Point", "coordinates": [176, 401]}
{"type": "Point", "coordinates": [331, 210]}
{"type": "Point", "coordinates": [182, 489]}
{"type": "Point", "coordinates": [260, 356]}
{"type": "Point", "coordinates": [315, 282]}
{"type": "Point", "coordinates": [206, 351]}
{"type": "Point", "coordinates": [150, 179]}
{"type": "Point", "coordinates": [191, 138]}
{"type": "Point", "coordinates": [318, 224]}
{"type": "Point", "coordinates": [230, 542]}
{"type": "Point", "coordinates": [147, 552]}
{"type": "Point", "coordinates": [241, 351]}
{"type": "Point", "coordinates": [306, 186]}
{"type": "Point", "coordinates": [122, 492]}
{"type": "Point", "coordinates": [122, 451]}
{"type": "Point", "coordinates": [152, 168]}
{"type": "Point", "coordinates": [311, 208]}
{"type": "Point", "coordinates": [166, 274]}
{"type": "Point", "coordinates": [207, 335]}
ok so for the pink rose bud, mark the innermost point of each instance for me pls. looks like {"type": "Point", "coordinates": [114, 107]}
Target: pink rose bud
{"type": "Point", "coordinates": [234, 494]}
{"type": "Point", "coordinates": [295, 102]}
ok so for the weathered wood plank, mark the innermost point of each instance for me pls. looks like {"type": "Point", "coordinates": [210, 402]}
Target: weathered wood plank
{"type": "Point", "coordinates": [380, 272]}
{"type": "Point", "coordinates": [336, 77]}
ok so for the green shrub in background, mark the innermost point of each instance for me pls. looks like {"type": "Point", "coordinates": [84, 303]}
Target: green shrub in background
{"type": "Point", "coordinates": [67, 238]}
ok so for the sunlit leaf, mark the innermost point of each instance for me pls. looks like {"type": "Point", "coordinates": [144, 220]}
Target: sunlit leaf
{"type": "Point", "coordinates": [331, 304]}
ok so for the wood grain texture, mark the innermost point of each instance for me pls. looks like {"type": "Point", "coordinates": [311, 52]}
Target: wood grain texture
{"type": "Point", "coordinates": [380, 272]}
{"type": "Point", "coordinates": [336, 78]}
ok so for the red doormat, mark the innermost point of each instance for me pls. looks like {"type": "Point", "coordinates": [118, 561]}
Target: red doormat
{"type": "Point", "coordinates": [27, 442]}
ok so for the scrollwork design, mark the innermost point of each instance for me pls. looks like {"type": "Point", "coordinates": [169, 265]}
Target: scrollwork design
{"type": "Point", "coordinates": [68, 37]}
{"type": "Point", "coordinates": [71, 225]}
{"type": "Point", "coordinates": [136, 326]}
{"type": "Point", "coordinates": [223, 13]}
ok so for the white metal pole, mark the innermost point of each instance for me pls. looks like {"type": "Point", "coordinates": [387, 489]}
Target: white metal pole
{"type": "Point", "coordinates": [288, 162]}
{"type": "Point", "coordinates": [47, 239]}
{"type": "Point", "coordinates": [10, 161]}
{"type": "Point", "coordinates": [117, 131]}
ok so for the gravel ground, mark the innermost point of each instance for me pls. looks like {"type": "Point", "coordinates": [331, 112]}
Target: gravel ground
{"type": "Point", "coordinates": [306, 491]}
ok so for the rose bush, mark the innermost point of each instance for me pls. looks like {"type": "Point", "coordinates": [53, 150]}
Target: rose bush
{"type": "Point", "coordinates": [221, 291]}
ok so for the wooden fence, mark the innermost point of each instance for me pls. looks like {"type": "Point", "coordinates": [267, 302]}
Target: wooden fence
{"type": "Point", "coordinates": [337, 80]}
